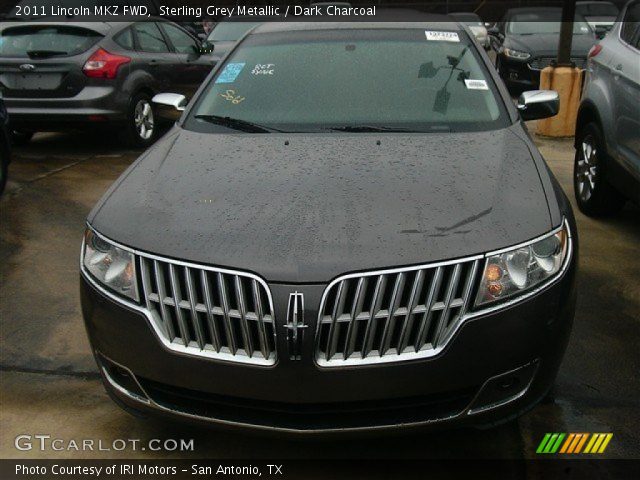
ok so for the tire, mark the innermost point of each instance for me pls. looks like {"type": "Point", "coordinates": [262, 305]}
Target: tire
{"type": "Point", "coordinates": [141, 129]}
{"type": "Point", "coordinates": [594, 195]}
{"type": "Point", "coordinates": [21, 137]}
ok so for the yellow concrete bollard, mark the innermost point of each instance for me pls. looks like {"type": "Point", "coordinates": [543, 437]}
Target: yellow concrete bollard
{"type": "Point", "coordinates": [567, 82]}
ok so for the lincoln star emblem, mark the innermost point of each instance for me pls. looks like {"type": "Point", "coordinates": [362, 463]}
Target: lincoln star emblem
{"type": "Point", "coordinates": [295, 324]}
{"type": "Point", "coordinates": [27, 67]}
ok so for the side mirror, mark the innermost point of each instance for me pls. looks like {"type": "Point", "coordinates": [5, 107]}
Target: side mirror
{"type": "Point", "coordinates": [207, 47]}
{"type": "Point", "coordinates": [601, 32]}
{"type": "Point", "coordinates": [175, 100]}
{"type": "Point", "coordinates": [195, 53]}
{"type": "Point", "coordinates": [537, 104]}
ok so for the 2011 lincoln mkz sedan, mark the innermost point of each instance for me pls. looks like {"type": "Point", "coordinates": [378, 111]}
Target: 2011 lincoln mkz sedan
{"type": "Point", "coordinates": [349, 228]}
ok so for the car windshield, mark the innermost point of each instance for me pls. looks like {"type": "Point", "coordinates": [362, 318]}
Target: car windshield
{"type": "Point", "coordinates": [230, 31]}
{"type": "Point", "coordinates": [46, 40]}
{"type": "Point", "coordinates": [353, 80]}
{"type": "Point", "coordinates": [543, 22]}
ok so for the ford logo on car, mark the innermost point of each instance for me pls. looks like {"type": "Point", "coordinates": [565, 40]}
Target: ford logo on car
{"type": "Point", "coordinates": [27, 67]}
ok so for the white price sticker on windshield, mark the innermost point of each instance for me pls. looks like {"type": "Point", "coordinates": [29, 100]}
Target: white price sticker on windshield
{"type": "Point", "coordinates": [442, 36]}
{"type": "Point", "coordinates": [476, 84]}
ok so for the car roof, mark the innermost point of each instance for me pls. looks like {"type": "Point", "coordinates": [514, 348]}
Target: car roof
{"type": "Point", "coordinates": [277, 27]}
{"type": "Point", "coordinates": [103, 28]}
{"type": "Point", "coordinates": [100, 27]}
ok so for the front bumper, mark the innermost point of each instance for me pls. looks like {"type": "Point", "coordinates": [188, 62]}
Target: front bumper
{"type": "Point", "coordinates": [497, 366]}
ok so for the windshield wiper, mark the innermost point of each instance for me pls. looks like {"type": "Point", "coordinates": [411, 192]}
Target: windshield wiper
{"type": "Point", "coordinates": [45, 53]}
{"type": "Point", "coordinates": [237, 124]}
{"type": "Point", "coordinates": [367, 128]}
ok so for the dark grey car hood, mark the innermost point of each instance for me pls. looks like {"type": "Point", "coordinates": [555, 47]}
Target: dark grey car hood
{"type": "Point", "coordinates": [326, 204]}
{"type": "Point", "coordinates": [547, 44]}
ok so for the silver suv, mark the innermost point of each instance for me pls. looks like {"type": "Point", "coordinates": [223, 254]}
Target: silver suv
{"type": "Point", "coordinates": [607, 162]}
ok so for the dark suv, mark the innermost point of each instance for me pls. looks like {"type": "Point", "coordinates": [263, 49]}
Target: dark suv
{"type": "Point", "coordinates": [58, 76]}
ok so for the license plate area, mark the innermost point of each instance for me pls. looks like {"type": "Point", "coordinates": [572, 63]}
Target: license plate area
{"type": "Point", "coordinates": [32, 81]}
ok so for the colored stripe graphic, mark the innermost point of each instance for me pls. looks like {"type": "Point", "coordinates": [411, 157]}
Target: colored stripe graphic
{"type": "Point", "coordinates": [605, 443]}
{"type": "Point", "coordinates": [582, 442]}
{"type": "Point", "coordinates": [550, 443]}
{"type": "Point", "coordinates": [573, 443]}
{"type": "Point", "coordinates": [593, 439]}
{"type": "Point", "coordinates": [598, 443]}
{"type": "Point", "coordinates": [567, 443]}
{"type": "Point", "coordinates": [556, 445]}
{"type": "Point", "coordinates": [543, 443]}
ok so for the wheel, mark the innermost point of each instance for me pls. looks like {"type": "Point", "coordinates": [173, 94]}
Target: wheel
{"type": "Point", "coordinates": [595, 196]}
{"type": "Point", "coordinates": [140, 130]}
{"type": "Point", "coordinates": [21, 137]}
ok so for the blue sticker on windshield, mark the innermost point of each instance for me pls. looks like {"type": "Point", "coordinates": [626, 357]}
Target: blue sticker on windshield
{"type": "Point", "coordinates": [230, 73]}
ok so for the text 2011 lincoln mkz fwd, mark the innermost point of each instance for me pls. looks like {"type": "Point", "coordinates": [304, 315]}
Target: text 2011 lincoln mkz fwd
{"type": "Point", "coordinates": [349, 228]}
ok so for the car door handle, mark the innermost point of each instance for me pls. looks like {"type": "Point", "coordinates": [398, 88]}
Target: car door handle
{"type": "Point", "coordinates": [618, 67]}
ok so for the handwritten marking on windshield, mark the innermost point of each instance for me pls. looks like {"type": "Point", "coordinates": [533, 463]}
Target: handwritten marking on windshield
{"type": "Point", "coordinates": [263, 69]}
{"type": "Point", "coordinates": [231, 96]}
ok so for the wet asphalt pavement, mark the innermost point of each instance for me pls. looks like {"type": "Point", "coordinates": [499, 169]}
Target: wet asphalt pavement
{"type": "Point", "coordinates": [49, 381]}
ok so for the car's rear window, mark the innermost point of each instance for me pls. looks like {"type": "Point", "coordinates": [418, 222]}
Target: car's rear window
{"type": "Point", "coordinates": [308, 81]}
{"type": "Point", "coordinates": [230, 31]}
{"type": "Point", "coordinates": [46, 41]}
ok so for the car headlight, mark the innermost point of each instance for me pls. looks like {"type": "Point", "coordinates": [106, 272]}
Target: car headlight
{"type": "Point", "coordinates": [110, 265]}
{"type": "Point", "coordinates": [516, 54]}
{"type": "Point", "coordinates": [521, 269]}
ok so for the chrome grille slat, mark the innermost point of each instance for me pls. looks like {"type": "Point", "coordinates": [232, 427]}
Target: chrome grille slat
{"type": "Point", "coordinates": [231, 338]}
{"type": "Point", "coordinates": [210, 312]}
{"type": "Point", "coordinates": [425, 323]}
{"type": "Point", "coordinates": [408, 319]}
{"type": "Point", "coordinates": [444, 316]}
{"type": "Point", "coordinates": [192, 307]}
{"type": "Point", "coordinates": [162, 294]}
{"type": "Point", "coordinates": [244, 327]}
{"type": "Point", "coordinates": [367, 341]}
{"type": "Point", "coordinates": [211, 322]}
{"type": "Point", "coordinates": [391, 318]}
{"type": "Point", "coordinates": [339, 304]}
{"type": "Point", "coordinates": [264, 347]}
{"type": "Point", "coordinates": [175, 290]}
{"type": "Point", "coordinates": [393, 315]}
{"type": "Point", "coordinates": [353, 324]}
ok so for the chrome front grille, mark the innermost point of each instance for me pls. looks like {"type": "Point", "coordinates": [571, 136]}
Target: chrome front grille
{"type": "Point", "coordinates": [540, 63]}
{"type": "Point", "coordinates": [393, 315]}
{"type": "Point", "coordinates": [209, 312]}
